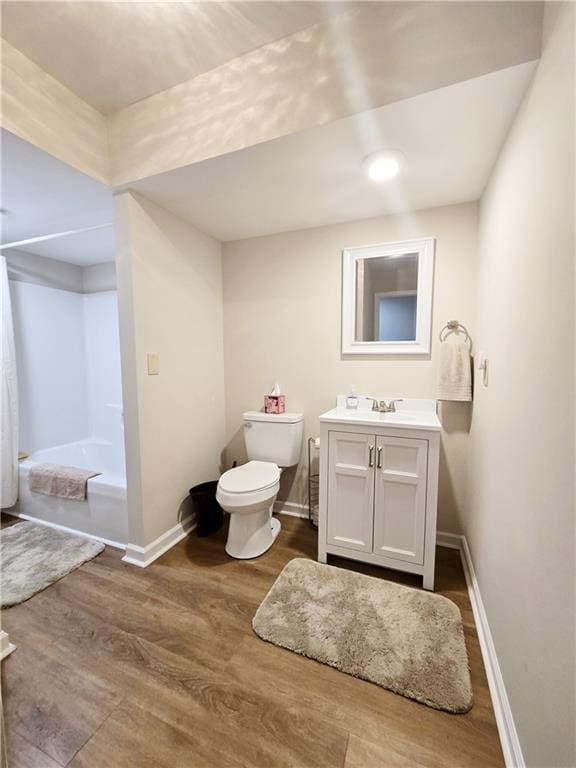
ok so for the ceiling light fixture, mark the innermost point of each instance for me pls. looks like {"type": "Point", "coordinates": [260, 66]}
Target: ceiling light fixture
{"type": "Point", "coordinates": [383, 166]}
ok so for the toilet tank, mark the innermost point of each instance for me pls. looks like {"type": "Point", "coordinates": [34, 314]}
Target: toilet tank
{"type": "Point", "coordinates": [274, 437]}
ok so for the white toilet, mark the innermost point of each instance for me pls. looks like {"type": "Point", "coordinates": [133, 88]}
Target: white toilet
{"type": "Point", "coordinates": [248, 492]}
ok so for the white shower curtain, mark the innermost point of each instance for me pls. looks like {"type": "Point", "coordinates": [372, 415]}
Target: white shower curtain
{"type": "Point", "coordinates": [8, 398]}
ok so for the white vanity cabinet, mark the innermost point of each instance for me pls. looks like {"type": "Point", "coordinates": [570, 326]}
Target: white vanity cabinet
{"type": "Point", "coordinates": [378, 487]}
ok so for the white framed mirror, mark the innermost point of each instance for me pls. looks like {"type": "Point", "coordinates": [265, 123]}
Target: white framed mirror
{"type": "Point", "coordinates": [387, 298]}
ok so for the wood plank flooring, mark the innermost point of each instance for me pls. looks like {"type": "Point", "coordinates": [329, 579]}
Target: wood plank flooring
{"type": "Point", "coordinates": [119, 667]}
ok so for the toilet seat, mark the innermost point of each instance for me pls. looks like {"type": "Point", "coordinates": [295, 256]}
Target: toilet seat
{"type": "Point", "coordinates": [250, 477]}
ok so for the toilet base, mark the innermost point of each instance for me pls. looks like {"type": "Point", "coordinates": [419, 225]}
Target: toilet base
{"type": "Point", "coordinates": [251, 535]}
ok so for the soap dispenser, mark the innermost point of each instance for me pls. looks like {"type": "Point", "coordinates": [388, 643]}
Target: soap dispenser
{"type": "Point", "coordinates": [352, 399]}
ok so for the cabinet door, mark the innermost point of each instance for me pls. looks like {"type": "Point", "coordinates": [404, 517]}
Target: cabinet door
{"type": "Point", "coordinates": [350, 490]}
{"type": "Point", "coordinates": [400, 503]}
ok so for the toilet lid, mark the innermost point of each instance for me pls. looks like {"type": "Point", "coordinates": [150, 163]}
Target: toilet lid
{"type": "Point", "coordinates": [253, 476]}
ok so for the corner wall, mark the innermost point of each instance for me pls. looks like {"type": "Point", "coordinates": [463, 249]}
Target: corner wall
{"type": "Point", "coordinates": [282, 297]}
{"type": "Point", "coordinates": [170, 303]}
{"type": "Point", "coordinates": [520, 519]}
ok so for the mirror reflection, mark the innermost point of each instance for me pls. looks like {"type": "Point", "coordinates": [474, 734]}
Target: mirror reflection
{"type": "Point", "coordinates": [386, 298]}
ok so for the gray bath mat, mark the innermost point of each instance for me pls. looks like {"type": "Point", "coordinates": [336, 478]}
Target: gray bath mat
{"type": "Point", "coordinates": [403, 639]}
{"type": "Point", "coordinates": [34, 556]}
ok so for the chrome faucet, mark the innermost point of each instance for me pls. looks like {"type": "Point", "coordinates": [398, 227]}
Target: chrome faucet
{"type": "Point", "coordinates": [382, 406]}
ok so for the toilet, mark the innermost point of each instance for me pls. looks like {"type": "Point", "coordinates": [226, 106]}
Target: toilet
{"type": "Point", "coordinates": [247, 493]}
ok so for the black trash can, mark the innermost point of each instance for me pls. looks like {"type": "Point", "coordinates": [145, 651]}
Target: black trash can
{"type": "Point", "coordinates": [209, 515]}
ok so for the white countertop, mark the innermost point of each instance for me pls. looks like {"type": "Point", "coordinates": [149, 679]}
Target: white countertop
{"type": "Point", "coordinates": [410, 414]}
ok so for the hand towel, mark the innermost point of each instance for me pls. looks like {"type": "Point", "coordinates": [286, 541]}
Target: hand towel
{"type": "Point", "coordinates": [59, 480]}
{"type": "Point", "coordinates": [455, 372]}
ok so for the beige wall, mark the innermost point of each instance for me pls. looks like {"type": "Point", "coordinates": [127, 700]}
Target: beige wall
{"type": "Point", "coordinates": [374, 55]}
{"type": "Point", "coordinates": [170, 302]}
{"type": "Point", "coordinates": [282, 323]}
{"type": "Point", "coordinates": [39, 109]}
{"type": "Point", "coordinates": [520, 518]}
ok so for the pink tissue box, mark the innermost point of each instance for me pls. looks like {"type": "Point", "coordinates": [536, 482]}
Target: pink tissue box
{"type": "Point", "coordinates": [274, 403]}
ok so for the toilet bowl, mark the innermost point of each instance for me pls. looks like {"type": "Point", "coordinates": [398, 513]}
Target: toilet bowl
{"type": "Point", "coordinates": [248, 494]}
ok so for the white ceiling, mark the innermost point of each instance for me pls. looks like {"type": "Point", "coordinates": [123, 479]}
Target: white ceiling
{"type": "Point", "coordinates": [43, 196]}
{"type": "Point", "coordinates": [450, 138]}
{"type": "Point", "coordinates": [112, 54]}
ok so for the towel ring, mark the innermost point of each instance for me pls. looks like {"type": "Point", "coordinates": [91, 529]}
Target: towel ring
{"type": "Point", "coordinates": [454, 326]}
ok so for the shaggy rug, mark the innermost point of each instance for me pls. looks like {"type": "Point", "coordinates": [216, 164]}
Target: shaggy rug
{"type": "Point", "coordinates": [34, 556]}
{"type": "Point", "coordinates": [403, 639]}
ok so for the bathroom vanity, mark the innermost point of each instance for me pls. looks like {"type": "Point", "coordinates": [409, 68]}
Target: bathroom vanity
{"type": "Point", "coordinates": [379, 485]}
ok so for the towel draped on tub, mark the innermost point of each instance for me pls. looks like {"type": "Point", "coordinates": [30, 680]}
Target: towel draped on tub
{"type": "Point", "coordinates": [455, 372]}
{"type": "Point", "coordinates": [59, 480]}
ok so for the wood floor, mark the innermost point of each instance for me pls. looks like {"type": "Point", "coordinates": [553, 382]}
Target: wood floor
{"type": "Point", "coordinates": [119, 667]}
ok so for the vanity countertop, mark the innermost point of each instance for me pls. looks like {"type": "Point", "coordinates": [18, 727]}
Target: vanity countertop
{"type": "Point", "coordinates": [410, 414]}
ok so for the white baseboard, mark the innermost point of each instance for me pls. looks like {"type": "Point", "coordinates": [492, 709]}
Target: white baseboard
{"type": "Point", "coordinates": [6, 647]}
{"type": "Point", "coordinates": [450, 540]}
{"type": "Point", "coordinates": [144, 556]}
{"type": "Point", "coordinates": [74, 531]}
{"type": "Point", "coordinates": [291, 508]}
{"type": "Point", "coordinates": [509, 740]}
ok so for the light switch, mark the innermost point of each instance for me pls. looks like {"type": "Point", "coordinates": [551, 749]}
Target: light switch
{"type": "Point", "coordinates": [153, 364]}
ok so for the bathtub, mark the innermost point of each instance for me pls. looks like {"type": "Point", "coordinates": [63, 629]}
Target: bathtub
{"type": "Point", "coordinates": [104, 514]}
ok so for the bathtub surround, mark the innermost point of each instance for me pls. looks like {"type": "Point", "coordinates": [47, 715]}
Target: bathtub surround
{"type": "Point", "coordinates": [170, 281]}
{"type": "Point", "coordinates": [289, 285]}
{"type": "Point", "coordinates": [51, 365]}
{"type": "Point", "coordinates": [102, 365]}
{"type": "Point", "coordinates": [402, 639]}
{"type": "Point", "coordinates": [67, 331]}
{"type": "Point", "coordinates": [520, 517]}
{"type": "Point", "coordinates": [35, 556]}
{"type": "Point", "coordinates": [68, 354]}
{"type": "Point", "coordinates": [70, 388]}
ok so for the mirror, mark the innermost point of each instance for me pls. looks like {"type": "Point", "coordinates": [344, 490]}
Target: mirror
{"type": "Point", "coordinates": [387, 298]}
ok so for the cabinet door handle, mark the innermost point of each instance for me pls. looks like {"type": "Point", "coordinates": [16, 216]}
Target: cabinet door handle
{"type": "Point", "coordinates": [371, 456]}
{"type": "Point", "coordinates": [379, 464]}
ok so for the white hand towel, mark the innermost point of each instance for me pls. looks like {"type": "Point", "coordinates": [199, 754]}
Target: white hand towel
{"type": "Point", "coordinates": [455, 372]}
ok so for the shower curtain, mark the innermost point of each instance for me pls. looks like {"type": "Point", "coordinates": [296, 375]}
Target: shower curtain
{"type": "Point", "coordinates": [8, 398]}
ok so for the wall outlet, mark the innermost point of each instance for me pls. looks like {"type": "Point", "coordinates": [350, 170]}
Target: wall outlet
{"type": "Point", "coordinates": [482, 364]}
{"type": "Point", "coordinates": [153, 363]}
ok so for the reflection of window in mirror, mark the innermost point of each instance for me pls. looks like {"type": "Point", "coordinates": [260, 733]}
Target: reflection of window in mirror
{"type": "Point", "coordinates": [387, 298]}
